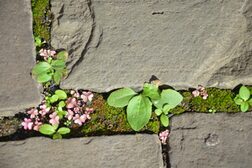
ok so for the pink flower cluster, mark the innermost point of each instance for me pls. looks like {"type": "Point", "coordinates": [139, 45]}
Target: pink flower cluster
{"type": "Point", "coordinates": [36, 117]}
{"type": "Point", "coordinates": [77, 110]}
{"type": "Point", "coordinates": [76, 107]}
{"type": "Point", "coordinates": [163, 136]}
{"type": "Point", "coordinates": [46, 53]}
{"type": "Point", "coordinates": [200, 91]}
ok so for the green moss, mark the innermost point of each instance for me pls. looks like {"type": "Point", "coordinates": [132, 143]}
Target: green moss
{"type": "Point", "coordinates": [220, 100]}
{"type": "Point", "coordinates": [109, 120]}
{"type": "Point", "coordinates": [41, 18]}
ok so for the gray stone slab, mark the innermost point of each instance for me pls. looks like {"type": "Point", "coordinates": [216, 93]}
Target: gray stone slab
{"type": "Point", "coordinates": [17, 89]}
{"type": "Point", "coordinates": [211, 140]}
{"type": "Point", "coordinates": [184, 43]}
{"type": "Point", "coordinates": [124, 151]}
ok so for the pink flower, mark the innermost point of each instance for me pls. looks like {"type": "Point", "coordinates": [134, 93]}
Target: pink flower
{"type": "Point", "coordinates": [77, 109]}
{"type": "Point", "coordinates": [37, 124]}
{"type": "Point", "coordinates": [71, 102]}
{"type": "Point", "coordinates": [70, 114]}
{"type": "Point", "coordinates": [87, 96]}
{"type": "Point", "coordinates": [54, 119]}
{"type": "Point", "coordinates": [200, 91]}
{"type": "Point", "coordinates": [196, 93]}
{"type": "Point", "coordinates": [33, 112]}
{"type": "Point", "coordinates": [46, 53]}
{"type": "Point", "coordinates": [89, 110]}
{"type": "Point", "coordinates": [80, 119]}
{"type": "Point", "coordinates": [163, 136]}
{"type": "Point", "coordinates": [27, 124]}
{"type": "Point", "coordinates": [43, 109]}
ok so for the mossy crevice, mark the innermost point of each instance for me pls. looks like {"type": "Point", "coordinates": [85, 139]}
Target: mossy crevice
{"type": "Point", "coordinates": [42, 17]}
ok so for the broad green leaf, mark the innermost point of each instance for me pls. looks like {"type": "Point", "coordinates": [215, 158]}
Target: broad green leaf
{"type": "Point", "coordinates": [238, 100]}
{"type": "Point", "coordinates": [158, 112]}
{"type": "Point", "coordinates": [54, 98]}
{"type": "Point", "coordinates": [55, 126]}
{"type": "Point", "coordinates": [121, 97]}
{"type": "Point", "coordinates": [250, 101]}
{"type": "Point", "coordinates": [58, 64]}
{"type": "Point", "coordinates": [151, 91]}
{"type": "Point", "coordinates": [164, 120]}
{"type": "Point", "coordinates": [167, 108]}
{"type": "Point", "coordinates": [43, 77]}
{"type": "Point", "coordinates": [57, 136]}
{"type": "Point", "coordinates": [168, 96]}
{"type": "Point", "coordinates": [41, 67]}
{"type": "Point", "coordinates": [244, 106]}
{"type": "Point", "coordinates": [61, 94]}
{"type": "Point", "coordinates": [62, 55]}
{"type": "Point", "coordinates": [57, 76]}
{"type": "Point", "coordinates": [64, 130]}
{"type": "Point", "coordinates": [244, 93]}
{"type": "Point", "coordinates": [62, 104]}
{"type": "Point", "coordinates": [172, 97]}
{"type": "Point", "coordinates": [139, 112]}
{"type": "Point", "coordinates": [47, 129]}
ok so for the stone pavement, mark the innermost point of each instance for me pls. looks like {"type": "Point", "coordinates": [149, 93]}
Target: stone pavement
{"type": "Point", "coordinates": [121, 151]}
{"type": "Point", "coordinates": [17, 89]}
{"type": "Point", "coordinates": [219, 140]}
{"type": "Point", "coordinates": [123, 43]}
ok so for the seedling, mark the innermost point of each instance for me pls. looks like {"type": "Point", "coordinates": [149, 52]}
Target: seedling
{"type": "Point", "coordinates": [243, 99]}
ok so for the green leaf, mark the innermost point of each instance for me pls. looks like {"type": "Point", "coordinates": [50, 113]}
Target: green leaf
{"type": "Point", "coordinates": [167, 108]}
{"type": "Point", "coordinates": [244, 93]}
{"type": "Point", "coordinates": [238, 100]}
{"type": "Point", "coordinates": [151, 91]}
{"type": "Point", "coordinates": [172, 97]}
{"type": "Point", "coordinates": [54, 98]}
{"type": "Point", "coordinates": [244, 106]}
{"type": "Point", "coordinates": [57, 76]}
{"type": "Point", "coordinates": [58, 64]}
{"type": "Point", "coordinates": [57, 136]}
{"type": "Point", "coordinates": [38, 41]}
{"type": "Point", "coordinates": [47, 129]}
{"type": "Point", "coordinates": [64, 130]}
{"type": "Point", "coordinates": [158, 112]}
{"type": "Point", "coordinates": [61, 94]}
{"type": "Point", "coordinates": [164, 120]}
{"type": "Point", "coordinates": [62, 55]}
{"type": "Point", "coordinates": [61, 114]}
{"type": "Point", "coordinates": [139, 112]}
{"type": "Point", "coordinates": [250, 101]}
{"type": "Point", "coordinates": [43, 77]}
{"type": "Point", "coordinates": [41, 67]}
{"type": "Point", "coordinates": [62, 104]}
{"type": "Point", "coordinates": [121, 97]}
{"type": "Point", "coordinates": [168, 96]}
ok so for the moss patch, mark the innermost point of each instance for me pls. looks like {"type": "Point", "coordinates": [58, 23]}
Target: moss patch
{"type": "Point", "coordinates": [41, 18]}
{"type": "Point", "coordinates": [110, 120]}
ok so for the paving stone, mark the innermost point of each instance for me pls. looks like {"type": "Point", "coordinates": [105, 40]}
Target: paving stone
{"type": "Point", "coordinates": [134, 151]}
{"type": "Point", "coordinates": [219, 140]}
{"type": "Point", "coordinates": [17, 89]}
{"type": "Point", "coordinates": [184, 43]}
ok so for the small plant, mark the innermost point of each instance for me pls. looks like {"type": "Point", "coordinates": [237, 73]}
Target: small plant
{"type": "Point", "coordinates": [139, 106]}
{"type": "Point", "coordinates": [243, 99]}
{"type": "Point", "coordinates": [51, 66]}
{"type": "Point", "coordinates": [59, 112]}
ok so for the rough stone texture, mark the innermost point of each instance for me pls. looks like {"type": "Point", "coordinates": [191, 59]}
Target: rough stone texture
{"type": "Point", "coordinates": [211, 140]}
{"type": "Point", "coordinates": [183, 43]}
{"type": "Point", "coordinates": [72, 27]}
{"type": "Point", "coordinates": [134, 151]}
{"type": "Point", "coordinates": [17, 89]}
